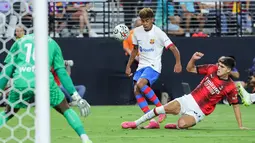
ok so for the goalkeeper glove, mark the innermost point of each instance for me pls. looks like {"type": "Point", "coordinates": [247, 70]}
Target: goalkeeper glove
{"type": "Point", "coordinates": [82, 104]}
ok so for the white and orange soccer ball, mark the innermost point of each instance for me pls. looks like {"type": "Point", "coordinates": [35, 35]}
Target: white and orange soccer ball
{"type": "Point", "coordinates": [121, 32]}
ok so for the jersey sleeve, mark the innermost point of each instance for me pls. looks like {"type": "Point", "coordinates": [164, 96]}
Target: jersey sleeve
{"type": "Point", "coordinates": [232, 96]}
{"type": "Point", "coordinates": [134, 38]}
{"type": "Point", "coordinates": [10, 57]}
{"type": "Point", "coordinates": [206, 69]}
{"type": "Point", "coordinates": [165, 40]}
{"type": "Point", "coordinates": [66, 80]}
{"type": "Point", "coordinates": [58, 61]}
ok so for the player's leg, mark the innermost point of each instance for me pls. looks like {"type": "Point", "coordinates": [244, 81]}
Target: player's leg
{"type": "Point", "coordinates": [185, 105]}
{"type": "Point", "coordinates": [185, 122]}
{"type": "Point", "coordinates": [73, 119]}
{"type": "Point", "coordinates": [141, 101]}
{"type": "Point", "coordinates": [172, 107]}
{"type": "Point", "coordinates": [148, 77]}
{"type": "Point", "coordinates": [253, 97]}
{"type": "Point", "coordinates": [142, 84]}
{"type": "Point", "coordinates": [58, 101]}
{"type": "Point", "coordinates": [190, 111]}
{"type": "Point", "coordinates": [245, 96]}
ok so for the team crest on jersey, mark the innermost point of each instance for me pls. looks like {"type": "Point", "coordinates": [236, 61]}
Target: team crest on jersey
{"type": "Point", "coordinates": [152, 41]}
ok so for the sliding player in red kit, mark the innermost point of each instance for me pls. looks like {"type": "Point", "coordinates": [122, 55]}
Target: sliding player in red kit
{"type": "Point", "coordinates": [202, 100]}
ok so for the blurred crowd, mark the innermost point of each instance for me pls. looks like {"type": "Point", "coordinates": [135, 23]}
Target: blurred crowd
{"type": "Point", "coordinates": [197, 19]}
{"type": "Point", "coordinates": [74, 19]}
{"type": "Point", "coordinates": [63, 18]}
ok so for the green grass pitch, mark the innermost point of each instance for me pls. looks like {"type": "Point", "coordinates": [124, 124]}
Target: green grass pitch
{"type": "Point", "coordinates": [103, 126]}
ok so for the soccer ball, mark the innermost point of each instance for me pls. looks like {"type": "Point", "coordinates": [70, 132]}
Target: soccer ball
{"type": "Point", "coordinates": [121, 32]}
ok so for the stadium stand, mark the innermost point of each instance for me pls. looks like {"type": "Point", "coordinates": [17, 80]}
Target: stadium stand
{"type": "Point", "coordinates": [196, 19]}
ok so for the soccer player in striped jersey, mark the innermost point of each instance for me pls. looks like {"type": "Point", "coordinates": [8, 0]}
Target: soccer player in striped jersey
{"type": "Point", "coordinates": [202, 100]}
{"type": "Point", "coordinates": [150, 40]}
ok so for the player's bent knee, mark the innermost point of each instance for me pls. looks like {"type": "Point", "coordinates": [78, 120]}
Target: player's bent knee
{"type": "Point", "coordinates": [182, 124]}
{"type": "Point", "coordinates": [141, 84]}
{"type": "Point", "coordinates": [136, 90]}
{"type": "Point", "coordinates": [172, 107]}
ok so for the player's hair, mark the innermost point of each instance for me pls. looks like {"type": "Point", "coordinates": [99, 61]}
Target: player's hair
{"type": "Point", "coordinates": [232, 57]}
{"type": "Point", "coordinates": [228, 61]}
{"type": "Point", "coordinates": [20, 26]}
{"type": "Point", "coordinates": [220, 58]}
{"type": "Point", "coordinates": [146, 13]}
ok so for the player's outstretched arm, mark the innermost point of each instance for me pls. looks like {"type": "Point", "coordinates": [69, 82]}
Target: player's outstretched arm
{"type": "Point", "coordinates": [65, 80]}
{"type": "Point", "coordinates": [238, 116]}
{"type": "Point", "coordinates": [68, 85]}
{"type": "Point", "coordinates": [59, 67]}
{"type": "Point", "coordinates": [131, 60]}
{"type": "Point", "coordinates": [191, 66]}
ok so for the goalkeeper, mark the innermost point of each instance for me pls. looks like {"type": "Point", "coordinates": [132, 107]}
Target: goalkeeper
{"type": "Point", "coordinates": [20, 66]}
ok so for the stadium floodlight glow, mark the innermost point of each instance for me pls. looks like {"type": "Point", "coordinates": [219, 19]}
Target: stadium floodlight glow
{"type": "Point", "coordinates": [42, 121]}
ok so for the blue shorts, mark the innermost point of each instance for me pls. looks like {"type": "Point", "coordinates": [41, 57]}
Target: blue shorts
{"type": "Point", "coordinates": [148, 73]}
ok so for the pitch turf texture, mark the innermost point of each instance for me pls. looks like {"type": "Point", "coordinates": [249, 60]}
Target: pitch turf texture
{"type": "Point", "coordinates": [103, 126]}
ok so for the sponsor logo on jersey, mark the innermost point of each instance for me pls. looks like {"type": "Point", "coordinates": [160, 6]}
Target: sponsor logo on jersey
{"type": "Point", "coordinates": [27, 69]}
{"type": "Point", "coordinates": [152, 41]}
{"type": "Point", "coordinates": [211, 87]}
{"type": "Point", "coordinates": [146, 50]}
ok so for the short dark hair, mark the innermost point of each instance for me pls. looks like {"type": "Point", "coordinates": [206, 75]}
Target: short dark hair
{"type": "Point", "coordinates": [228, 61]}
{"type": "Point", "coordinates": [146, 13]}
{"type": "Point", "coordinates": [232, 57]}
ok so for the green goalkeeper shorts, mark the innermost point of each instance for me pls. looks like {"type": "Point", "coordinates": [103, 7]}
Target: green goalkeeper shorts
{"type": "Point", "coordinates": [21, 98]}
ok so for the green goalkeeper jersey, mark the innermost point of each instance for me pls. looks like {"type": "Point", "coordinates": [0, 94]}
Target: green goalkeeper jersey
{"type": "Point", "coordinates": [22, 57]}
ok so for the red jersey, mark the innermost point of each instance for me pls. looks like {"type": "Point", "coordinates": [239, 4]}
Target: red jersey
{"type": "Point", "coordinates": [55, 77]}
{"type": "Point", "coordinates": [212, 89]}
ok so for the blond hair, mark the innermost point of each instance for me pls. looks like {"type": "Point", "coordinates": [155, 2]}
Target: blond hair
{"type": "Point", "coordinates": [146, 13]}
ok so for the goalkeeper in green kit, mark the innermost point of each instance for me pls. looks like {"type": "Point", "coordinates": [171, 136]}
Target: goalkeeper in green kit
{"type": "Point", "coordinates": [20, 66]}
